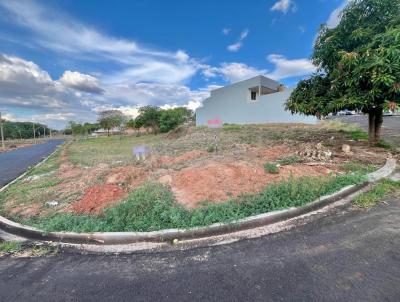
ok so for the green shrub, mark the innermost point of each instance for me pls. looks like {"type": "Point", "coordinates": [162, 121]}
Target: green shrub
{"type": "Point", "coordinates": [383, 144]}
{"type": "Point", "coordinates": [10, 246]}
{"type": "Point", "coordinates": [211, 148]}
{"type": "Point", "coordinates": [290, 160]}
{"type": "Point", "coordinates": [271, 168]}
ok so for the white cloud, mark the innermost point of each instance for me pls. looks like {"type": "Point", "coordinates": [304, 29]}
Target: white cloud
{"type": "Point", "coordinates": [63, 34]}
{"type": "Point", "coordinates": [234, 72]}
{"type": "Point", "coordinates": [54, 117]}
{"type": "Point", "coordinates": [82, 82]}
{"type": "Point", "coordinates": [226, 31]}
{"type": "Point", "coordinates": [244, 34]}
{"type": "Point", "coordinates": [23, 76]}
{"type": "Point", "coordinates": [285, 68]}
{"type": "Point", "coordinates": [235, 46]}
{"type": "Point", "coordinates": [239, 43]}
{"type": "Point", "coordinates": [335, 16]}
{"type": "Point", "coordinates": [284, 6]}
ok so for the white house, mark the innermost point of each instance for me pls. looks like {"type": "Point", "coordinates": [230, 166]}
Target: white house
{"type": "Point", "coordinates": [254, 101]}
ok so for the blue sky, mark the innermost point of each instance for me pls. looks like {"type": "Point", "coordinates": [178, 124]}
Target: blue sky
{"type": "Point", "coordinates": [68, 60]}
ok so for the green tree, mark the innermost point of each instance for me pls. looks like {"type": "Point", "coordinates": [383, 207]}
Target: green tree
{"type": "Point", "coordinates": [359, 66]}
{"type": "Point", "coordinates": [149, 116]}
{"type": "Point", "coordinates": [171, 118]}
{"type": "Point", "coordinates": [109, 119]}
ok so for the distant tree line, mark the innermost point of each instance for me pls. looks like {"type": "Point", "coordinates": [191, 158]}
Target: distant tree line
{"type": "Point", "coordinates": [75, 128]}
{"type": "Point", "coordinates": [161, 120]}
{"type": "Point", "coordinates": [24, 130]}
{"type": "Point", "coordinates": [153, 117]}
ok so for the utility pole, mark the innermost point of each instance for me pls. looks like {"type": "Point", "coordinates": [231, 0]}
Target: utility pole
{"type": "Point", "coordinates": [34, 132]}
{"type": "Point", "coordinates": [2, 133]}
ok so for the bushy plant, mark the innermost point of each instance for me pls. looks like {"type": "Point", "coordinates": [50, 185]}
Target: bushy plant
{"type": "Point", "coordinates": [271, 168]}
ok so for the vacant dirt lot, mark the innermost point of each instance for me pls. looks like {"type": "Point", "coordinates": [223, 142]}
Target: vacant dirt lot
{"type": "Point", "coordinates": [199, 165]}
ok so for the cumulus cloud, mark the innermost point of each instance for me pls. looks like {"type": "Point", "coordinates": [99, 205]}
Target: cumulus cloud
{"type": "Point", "coordinates": [336, 15]}
{"type": "Point", "coordinates": [82, 82]}
{"type": "Point", "coordinates": [234, 72]}
{"type": "Point", "coordinates": [284, 6]}
{"type": "Point", "coordinates": [24, 85]}
{"type": "Point", "coordinates": [22, 76]}
{"type": "Point", "coordinates": [239, 43]}
{"type": "Point", "coordinates": [285, 68]}
{"type": "Point", "coordinates": [63, 34]}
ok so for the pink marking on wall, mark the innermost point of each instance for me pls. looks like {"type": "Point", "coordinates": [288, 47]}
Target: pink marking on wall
{"type": "Point", "coordinates": [214, 123]}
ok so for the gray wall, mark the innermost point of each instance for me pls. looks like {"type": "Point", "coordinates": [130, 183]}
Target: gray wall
{"type": "Point", "coordinates": [231, 105]}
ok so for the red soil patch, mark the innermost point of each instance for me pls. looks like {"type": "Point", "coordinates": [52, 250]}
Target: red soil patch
{"type": "Point", "coordinates": [218, 181]}
{"type": "Point", "coordinates": [275, 152]}
{"type": "Point", "coordinates": [169, 160]}
{"type": "Point", "coordinates": [97, 198]}
{"type": "Point", "coordinates": [128, 175]}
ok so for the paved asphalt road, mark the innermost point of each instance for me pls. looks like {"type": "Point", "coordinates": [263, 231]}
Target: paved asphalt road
{"type": "Point", "coordinates": [350, 256]}
{"type": "Point", "coordinates": [14, 163]}
{"type": "Point", "coordinates": [390, 127]}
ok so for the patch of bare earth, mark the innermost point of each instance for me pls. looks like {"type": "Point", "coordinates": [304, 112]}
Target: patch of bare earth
{"type": "Point", "coordinates": [218, 181]}
{"type": "Point", "coordinates": [170, 160]}
{"type": "Point", "coordinates": [97, 198]}
{"type": "Point", "coordinates": [131, 176]}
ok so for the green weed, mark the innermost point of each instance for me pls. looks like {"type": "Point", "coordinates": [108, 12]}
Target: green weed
{"type": "Point", "coordinates": [290, 160]}
{"type": "Point", "coordinates": [383, 144]}
{"type": "Point", "coordinates": [10, 247]}
{"type": "Point", "coordinates": [355, 166]}
{"type": "Point", "coordinates": [271, 168]}
{"type": "Point", "coordinates": [379, 191]}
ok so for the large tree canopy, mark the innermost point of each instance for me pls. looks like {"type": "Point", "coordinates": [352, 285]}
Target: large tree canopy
{"type": "Point", "coordinates": [109, 119]}
{"type": "Point", "coordinates": [358, 61]}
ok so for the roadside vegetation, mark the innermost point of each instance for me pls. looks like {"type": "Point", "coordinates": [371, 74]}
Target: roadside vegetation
{"type": "Point", "coordinates": [23, 249]}
{"type": "Point", "coordinates": [153, 207]}
{"type": "Point", "coordinates": [382, 189]}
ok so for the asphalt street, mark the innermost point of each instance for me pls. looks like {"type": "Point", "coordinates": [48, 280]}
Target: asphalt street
{"type": "Point", "coordinates": [390, 126]}
{"type": "Point", "coordinates": [350, 256]}
{"type": "Point", "coordinates": [14, 163]}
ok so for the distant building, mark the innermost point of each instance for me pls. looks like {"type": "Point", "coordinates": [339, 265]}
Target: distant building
{"type": "Point", "coordinates": [254, 101]}
{"type": "Point", "coordinates": [103, 132]}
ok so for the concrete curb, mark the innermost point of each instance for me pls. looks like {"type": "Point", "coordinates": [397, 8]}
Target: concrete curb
{"type": "Point", "coordinates": [110, 238]}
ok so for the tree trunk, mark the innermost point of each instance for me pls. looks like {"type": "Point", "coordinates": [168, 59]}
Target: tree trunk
{"type": "Point", "coordinates": [375, 120]}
